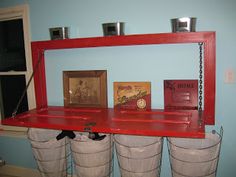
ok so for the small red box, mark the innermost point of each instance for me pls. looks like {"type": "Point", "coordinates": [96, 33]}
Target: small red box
{"type": "Point", "coordinates": [181, 94]}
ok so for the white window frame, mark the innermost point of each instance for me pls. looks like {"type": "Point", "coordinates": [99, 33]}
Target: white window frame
{"type": "Point", "coordinates": [21, 12]}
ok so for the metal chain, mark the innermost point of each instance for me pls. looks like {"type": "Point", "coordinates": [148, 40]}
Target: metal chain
{"type": "Point", "coordinates": [27, 85]}
{"type": "Point", "coordinates": [200, 76]}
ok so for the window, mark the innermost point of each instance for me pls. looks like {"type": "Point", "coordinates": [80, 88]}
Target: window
{"type": "Point", "coordinates": [15, 62]}
{"type": "Point", "coordinates": [12, 48]}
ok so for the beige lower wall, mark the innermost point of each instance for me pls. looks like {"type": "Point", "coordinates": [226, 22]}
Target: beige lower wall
{"type": "Point", "coordinates": [20, 171]}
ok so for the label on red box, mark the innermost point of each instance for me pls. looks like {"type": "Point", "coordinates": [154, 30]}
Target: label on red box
{"type": "Point", "coordinates": [132, 95]}
{"type": "Point", "coordinates": [181, 94]}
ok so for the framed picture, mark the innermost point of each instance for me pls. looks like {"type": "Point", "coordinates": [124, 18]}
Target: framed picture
{"type": "Point", "coordinates": [85, 88]}
{"type": "Point", "coordinates": [181, 94]}
{"type": "Point", "coordinates": [132, 95]}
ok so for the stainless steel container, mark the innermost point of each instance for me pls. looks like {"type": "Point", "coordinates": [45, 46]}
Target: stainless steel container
{"type": "Point", "coordinates": [113, 29]}
{"type": "Point", "coordinates": [59, 33]}
{"type": "Point", "coordinates": [183, 24]}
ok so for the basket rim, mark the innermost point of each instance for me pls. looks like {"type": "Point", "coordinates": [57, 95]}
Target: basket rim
{"type": "Point", "coordinates": [185, 161]}
{"type": "Point", "coordinates": [173, 170]}
{"type": "Point", "coordinates": [152, 143]}
{"type": "Point", "coordinates": [149, 157]}
{"type": "Point", "coordinates": [219, 140]}
{"type": "Point", "coordinates": [110, 149]}
{"type": "Point", "coordinates": [99, 165]}
{"type": "Point", "coordinates": [148, 171]}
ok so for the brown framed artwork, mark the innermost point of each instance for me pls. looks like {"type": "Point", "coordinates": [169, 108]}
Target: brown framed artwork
{"type": "Point", "coordinates": [85, 88]}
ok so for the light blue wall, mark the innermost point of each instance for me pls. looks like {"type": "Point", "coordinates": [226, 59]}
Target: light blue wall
{"type": "Point", "coordinates": [143, 63]}
{"type": "Point", "coordinates": [16, 151]}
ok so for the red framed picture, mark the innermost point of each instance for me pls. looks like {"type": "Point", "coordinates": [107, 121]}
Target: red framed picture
{"type": "Point", "coordinates": [181, 94]}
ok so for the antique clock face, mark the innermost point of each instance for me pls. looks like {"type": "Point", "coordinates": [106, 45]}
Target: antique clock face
{"type": "Point", "coordinates": [141, 103]}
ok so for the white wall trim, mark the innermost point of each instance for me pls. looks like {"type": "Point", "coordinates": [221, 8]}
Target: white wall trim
{"type": "Point", "coordinates": [15, 134]}
{"type": "Point", "coordinates": [21, 172]}
{"type": "Point", "coordinates": [18, 171]}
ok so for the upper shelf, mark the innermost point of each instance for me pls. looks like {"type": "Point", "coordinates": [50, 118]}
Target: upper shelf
{"type": "Point", "coordinates": [138, 39]}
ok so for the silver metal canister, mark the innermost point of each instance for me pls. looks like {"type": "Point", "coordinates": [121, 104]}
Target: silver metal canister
{"type": "Point", "coordinates": [113, 29]}
{"type": "Point", "coordinates": [183, 24]}
{"type": "Point", "coordinates": [59, 33]}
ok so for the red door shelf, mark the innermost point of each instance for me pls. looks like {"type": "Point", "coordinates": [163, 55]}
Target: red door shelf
{"type": "Point", "coordinates": [108, 120]}
{"type": "Point", "coordinates": [153, 122]}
